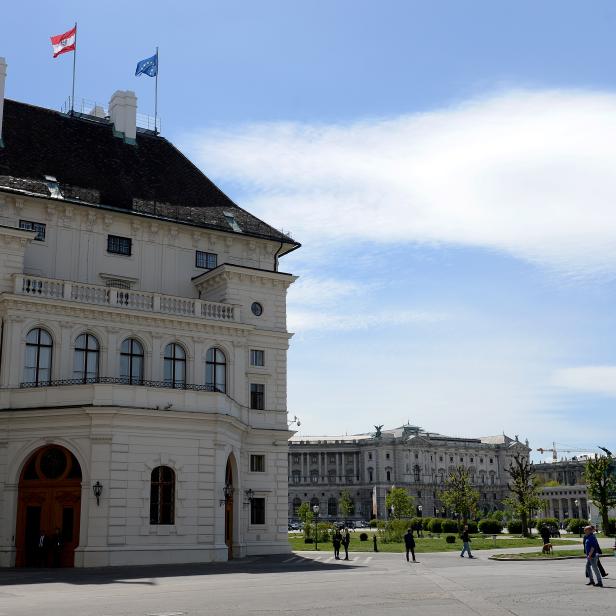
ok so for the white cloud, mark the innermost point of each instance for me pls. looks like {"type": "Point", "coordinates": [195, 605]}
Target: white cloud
{"type": "Point", "coordinates": [305, 320]}
{"type": "Point", "coordinates": [323, 291]}
{"type": "Point", "coordinates": [588, 379]}
{"type": "Point", "coordinates": [527, 173]}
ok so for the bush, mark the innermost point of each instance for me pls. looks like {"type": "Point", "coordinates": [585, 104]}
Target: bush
{"type": "Point", "coordinates": [472, 526]}
{"type": "Point", "coordinates": [393, 531]}
{"type": "Point", "coordinates": [514, 527]}
{"type": "Point", "coordinates": [417, 523]}
{"type": "Point", "coordinates": [363, 536]}
{"type": "Point", "coordinates": [611, 528]}
{"type": "Point", "coordinates": [576, 525]}
{"type": "Point", "coordinates": [308, 540]}
{"type": "Point", "coordinates": [490, 527]}
{"type": "Point", "coordinates": [436, 526]}
{"type": "Point", "coordinates": [549, 522]}
{"type": "Point", "coordinates": [449, 526]}
{"type": "Point", "coordinates": [373, 523]}
{"type": "Point", "coordinates": [450, 538]}
{"type": "Point", "coordinates": [426, 522]}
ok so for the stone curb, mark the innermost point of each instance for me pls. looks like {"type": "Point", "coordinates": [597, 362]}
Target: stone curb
{"type": "Point", "coordinates": [533, 560]}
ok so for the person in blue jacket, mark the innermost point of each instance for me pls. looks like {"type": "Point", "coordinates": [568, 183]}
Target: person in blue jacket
{"type": "Point", "coordinates": [591, 549]}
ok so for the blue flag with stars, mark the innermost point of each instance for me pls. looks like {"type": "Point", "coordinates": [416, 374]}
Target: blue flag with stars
{"type": "Point", "coordinates": [149, 66]}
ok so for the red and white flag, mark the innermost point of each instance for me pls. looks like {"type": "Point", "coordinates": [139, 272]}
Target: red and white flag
{"type": "Point", "coordinates": [64, 42]}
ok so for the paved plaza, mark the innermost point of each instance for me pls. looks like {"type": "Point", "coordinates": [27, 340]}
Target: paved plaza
{"type": "Point", "coordinates": [314, 583]}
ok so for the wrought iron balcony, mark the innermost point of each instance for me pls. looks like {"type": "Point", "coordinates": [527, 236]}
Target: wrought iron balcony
{"type": "Point", "coordinates": [107, 380]}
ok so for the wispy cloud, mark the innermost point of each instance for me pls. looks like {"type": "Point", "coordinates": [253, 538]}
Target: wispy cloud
{"type": "Point", "coordinates": [305, 320]}
{"type": "Point", "coordinates": [529, 173]}
{"type": "Point", "coordinates": [589, 379]}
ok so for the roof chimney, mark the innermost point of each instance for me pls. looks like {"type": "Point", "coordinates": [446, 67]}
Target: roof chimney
{"type": "Point", "coordinates": [2, 78]}
{"type": "Point", "coordinates": [123, 114]}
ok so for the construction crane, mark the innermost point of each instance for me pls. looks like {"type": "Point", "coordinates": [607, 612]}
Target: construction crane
{"type": "Point", "coordinates": [561, 449]}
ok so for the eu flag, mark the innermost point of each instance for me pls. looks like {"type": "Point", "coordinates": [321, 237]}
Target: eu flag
{"type": "Point", "coordinates": [149, 66]}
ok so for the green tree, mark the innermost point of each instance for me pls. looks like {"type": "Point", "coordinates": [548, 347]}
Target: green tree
{"type": "Point", "coordinates": [524, 499]}
{"type": "Point", "coordinates": [399, 503]}
{"type": "Point", "coordinates": [600, 475]}
{"type": "Point", "coordinates": [345, 504]}
{"type": "Point", "coordinates": [459, 495]}
{"type": "Point", "coordinates": [304, 513]}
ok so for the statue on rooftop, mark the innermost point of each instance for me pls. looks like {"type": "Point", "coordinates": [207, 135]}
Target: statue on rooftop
{"type": "Point", "coordinates": [378, 429]}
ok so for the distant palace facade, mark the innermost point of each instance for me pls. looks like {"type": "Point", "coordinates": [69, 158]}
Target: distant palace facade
{"type": "Point", "coordinates": [321, 467]}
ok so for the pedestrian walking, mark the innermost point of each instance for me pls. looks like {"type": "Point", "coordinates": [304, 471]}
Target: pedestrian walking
{"type": "Point", "coordinates": [466, 543]}
{"type": "Point", "coordinates": [544, 531]}
{"type": "Point", "coordinates": [346, 539]}
{"type": "Point", "coordinates": [409, 542]}
{"type": "Point", "coordinates": [376, 549]}
{"type": "Point", "coordinates": [591, 549]}
{"type": "Point", "coordinates": [602, 571]}
{"type": "Point", "coordinates": [337, 540]}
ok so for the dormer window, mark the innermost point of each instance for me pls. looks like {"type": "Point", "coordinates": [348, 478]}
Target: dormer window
{"type": "Point", "coordinates": [230, 218]}
{"type": "Point", "coordinates": [54, 187]}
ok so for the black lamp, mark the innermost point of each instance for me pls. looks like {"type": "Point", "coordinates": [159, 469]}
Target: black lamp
{"type": "Point", "coordinates": [97, 488]}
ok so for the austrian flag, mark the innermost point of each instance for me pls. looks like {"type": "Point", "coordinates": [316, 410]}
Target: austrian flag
{"type": "Point", "coordinates": [64, 42]}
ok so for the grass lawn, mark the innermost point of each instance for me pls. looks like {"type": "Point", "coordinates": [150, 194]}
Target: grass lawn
{"type": "Point", "coordinates": [433, 544]}
{"type": "Point", "coordinates": [540, 555]}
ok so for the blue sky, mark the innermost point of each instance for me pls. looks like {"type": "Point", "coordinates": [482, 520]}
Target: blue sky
{"type": "Point", "coordinates": [448, 167]}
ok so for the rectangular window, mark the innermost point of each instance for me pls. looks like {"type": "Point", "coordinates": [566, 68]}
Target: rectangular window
{"type": "Point", "coordinates": [119, 245]}
{"type": "Point", "coordinates": [206, 260]}
{"type": "Point", "coordinates": [257, 463]}
{"type": "Point", "coordinates": [257, 511]}
{"type": "Point", "coordinates": [257, 396]}
{"type": "Point", "coordinates": [39, 227]}
{"type": "Point", "coordinates": [257, 358]}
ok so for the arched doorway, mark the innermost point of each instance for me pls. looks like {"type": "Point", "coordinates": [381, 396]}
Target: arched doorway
{"type": "Point", "coordinates": [49, 503]}
{"type": "Point", "coordinates": [229, 509]}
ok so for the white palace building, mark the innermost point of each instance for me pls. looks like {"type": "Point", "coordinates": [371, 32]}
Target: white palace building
{"type": "Point", "coordinates": [142, 352]}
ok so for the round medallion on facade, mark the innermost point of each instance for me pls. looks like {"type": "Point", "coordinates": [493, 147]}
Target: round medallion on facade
{"type": "Point", "coordinates": [257, 309]}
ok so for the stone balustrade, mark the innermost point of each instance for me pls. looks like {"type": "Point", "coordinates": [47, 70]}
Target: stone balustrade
{"type": "Point", "coordinates": [49, 288]}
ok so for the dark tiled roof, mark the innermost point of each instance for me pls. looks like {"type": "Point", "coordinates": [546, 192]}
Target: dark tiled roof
{"type": "Point", "coordinates": [94, 167]}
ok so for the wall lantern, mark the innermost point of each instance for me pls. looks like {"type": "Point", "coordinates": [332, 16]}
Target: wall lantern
{"type": "Point", "coordinates": [227, 492]}
{"type": "Point", "coordinates": [97, 488]}
{"type": "Point", "coordinates": [249, 495]}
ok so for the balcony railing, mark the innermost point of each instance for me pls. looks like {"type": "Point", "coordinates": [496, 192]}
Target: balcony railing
{"type": "Point", "coordinates": [51, 288]}
{"type": "Point", "coordinates": [120, 381]}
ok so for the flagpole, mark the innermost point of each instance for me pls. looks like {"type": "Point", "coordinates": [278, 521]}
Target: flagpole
{"type": "Point", "coordinates": [156, 97]}
{"type": "Point", "coordinates": [74, 63]}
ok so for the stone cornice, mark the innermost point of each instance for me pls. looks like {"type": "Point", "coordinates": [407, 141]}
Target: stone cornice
{"type": "Point", "coordinates": [227, 272]}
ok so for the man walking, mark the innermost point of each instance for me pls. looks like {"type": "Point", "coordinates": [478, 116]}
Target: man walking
{"type": "Point", "coordinates": [591, 549]}
{"type": "Point", "coordinates": [466, 543]}
{"type": "Point", "coordinates": [409, 542]}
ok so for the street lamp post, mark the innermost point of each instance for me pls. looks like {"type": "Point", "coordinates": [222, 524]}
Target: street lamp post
{"type": "Point", "coordinates": [315, 509]}
{"type": "Point", "coordinates": [420, 529]}
{"type": "Point", "coordinates": [576, 502]}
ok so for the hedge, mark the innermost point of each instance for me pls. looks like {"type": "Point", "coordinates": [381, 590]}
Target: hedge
{"type": "Point", "coordinates": [514, 527]}
{"type": "Point", "coordinates": [490, 527]}
{"type": "Point", "coordinates": [450, 538]}
{"type": "Point", "coordinates": [449, 526]}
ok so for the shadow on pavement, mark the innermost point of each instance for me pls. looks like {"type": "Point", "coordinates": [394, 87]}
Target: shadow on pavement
{"type": "Point", "coordinates": [147, 574]}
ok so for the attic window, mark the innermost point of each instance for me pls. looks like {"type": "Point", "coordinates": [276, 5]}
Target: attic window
{"type": "Point", "coordinates": [230, 218]}
{"type": "Point", "coordinates": [54, 187]}
{"type": "Point", "coordinates": [116, 283]}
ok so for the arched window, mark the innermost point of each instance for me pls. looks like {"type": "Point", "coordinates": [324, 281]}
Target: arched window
{"type": "Point", "coordinates": [86, 361]}
{"type": "Point", "coordinates": [131, 361]}
{"type": "Point", "coordinates": [162, 496]}
{"type": "Point", "coordinates": [417, 473]}
{"type": "Point", "coordinates": [332, 507]}
{"type": "Point", "coordinates": [216, 370]}
{"type": "Point", "coordinates": [175, 365]}
{"type": "Point", "coordinates": [296, 505]}
{"type": "Point", "coordinates": [388, 475]}
{"type": "Point", "coordinates": [314, 501]}
{"type": "Point", "coordinates": [37, 367]}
